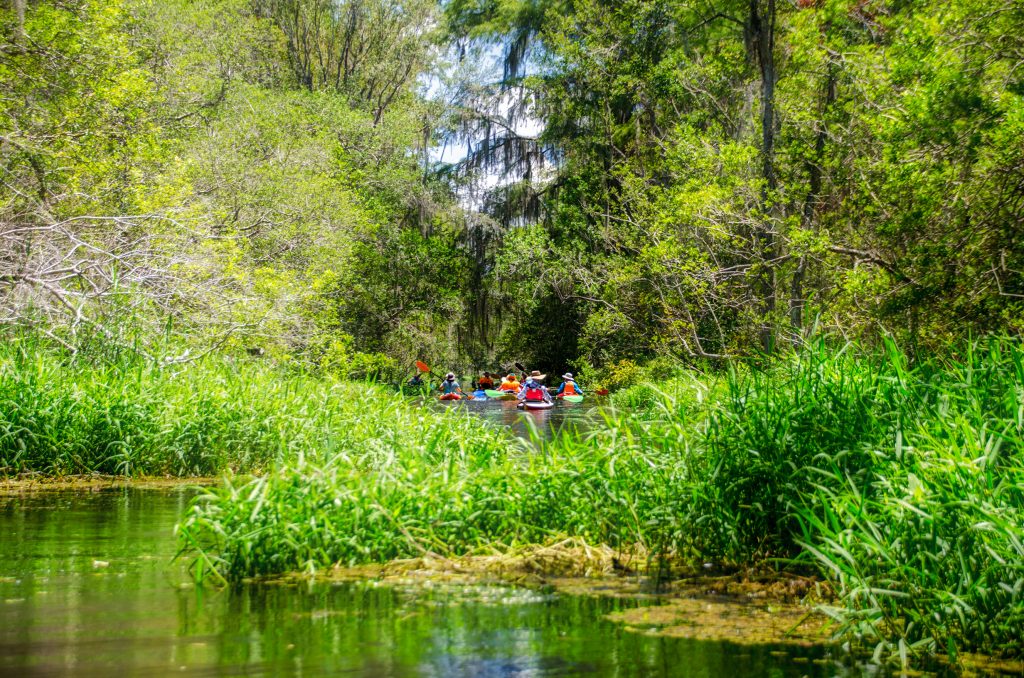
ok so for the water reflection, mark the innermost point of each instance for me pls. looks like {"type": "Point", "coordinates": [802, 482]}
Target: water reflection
{"type": "Point", "coordinates": [545, 423]}
{"type": "Point", "coordinates": [87, 587]}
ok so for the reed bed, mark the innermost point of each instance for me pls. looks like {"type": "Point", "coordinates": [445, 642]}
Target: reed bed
{"type": "Point", "coordinates": [133, 418]}
{"type": "Point", "coordinates": [901, 484]}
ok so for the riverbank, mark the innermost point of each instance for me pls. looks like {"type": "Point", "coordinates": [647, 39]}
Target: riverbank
{"type": "Point", "coordinates": [136, 419]}
{"type": "Point", "coordinates": [901, 485]}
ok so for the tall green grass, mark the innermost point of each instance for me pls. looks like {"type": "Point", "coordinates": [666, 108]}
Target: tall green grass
{"type": "Point", "coordinates": [454, 487]}
{"type": "Point", "coordinates": [131, 417]}
{"type": "Point", "coordinates": [902, 485]}
{"type": "Point", "coordinates": [926, 545]}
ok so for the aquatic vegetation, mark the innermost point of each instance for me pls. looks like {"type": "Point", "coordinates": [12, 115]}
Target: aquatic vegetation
{"type": "Point", "coordinates": [901, 484]}
{"type": "Point", "coordinates": [464, 487]}
{"type": "Point", "coordinates": [738, 620]}
{"type": "Point", "coordinates": [926, 546]}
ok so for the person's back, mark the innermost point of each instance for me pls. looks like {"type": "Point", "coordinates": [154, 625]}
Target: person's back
{"type": "Point", "coordinates": [509, 384]}
{"type": "Point", "coordinates": [569, 386]}
{"type": "Point", "coordinates": [533, 390]}
{"type": "Point", "coordinates": [449, 386]}
{"type": "Point", "coordinates": [485, 382]}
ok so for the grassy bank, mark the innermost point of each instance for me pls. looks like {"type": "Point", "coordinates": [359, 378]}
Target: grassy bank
{"type": "Point", "coordinates": [132, 418]}
{"type": "Point", "coordinates": [903, 486]}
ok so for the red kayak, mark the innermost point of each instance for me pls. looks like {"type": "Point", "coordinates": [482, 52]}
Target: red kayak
{"type": "Point", "coordinates": [450, 396]}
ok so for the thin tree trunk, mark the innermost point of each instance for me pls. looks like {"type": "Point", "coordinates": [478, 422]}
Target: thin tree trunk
{"type": "Point", "coordinates": [761, 34]}
{"type": "Point", "coordinates": [19, 31]}
{"type": "Point", "coordinates": [814, 172]}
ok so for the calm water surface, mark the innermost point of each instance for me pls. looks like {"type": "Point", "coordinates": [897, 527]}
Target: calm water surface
{"type": "Point", "coordinates": [546, 423]}
{"type": "Point", "coordinates": [87, 587]}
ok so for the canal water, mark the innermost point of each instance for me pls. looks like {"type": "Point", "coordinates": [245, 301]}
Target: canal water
{"type": "Point", "coordinates": [527, 423]}
{"type": "Point", "coordinates": [88, 587]}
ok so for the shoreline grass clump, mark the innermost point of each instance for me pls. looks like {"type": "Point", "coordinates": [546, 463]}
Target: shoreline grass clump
{"type": "Point", "coordinates": [902, 485]}
{"type": "Point", "coordinates": [134, 418]}
{"type": "Point", "coordinates": [927, 547]}
{"type": "Point", "coordinates": [473, 489]}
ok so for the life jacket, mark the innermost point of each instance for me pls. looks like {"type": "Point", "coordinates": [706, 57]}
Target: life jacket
{"type": "Point", "coordinates": [485, 382]}
{"type": "Point", "coordinates": [509, 386]}
{"type": "Point", "coordinates": [570, 388]}
{"type": "Point", "coordinates": [535, 392]}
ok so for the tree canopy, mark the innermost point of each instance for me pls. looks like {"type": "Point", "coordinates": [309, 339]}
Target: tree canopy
{"type": "Point", "coordinates": [702, 179]}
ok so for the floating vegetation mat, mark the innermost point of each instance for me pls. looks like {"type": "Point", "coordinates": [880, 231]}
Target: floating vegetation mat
{"type": "Point", "coordinates": [738, 608]}
{"type": "Point", "coordinates": [738, 620]}
{"type": "Point", "coordinates": [569, 558]}
{"type": "Point", "coordinates": [95, 483]}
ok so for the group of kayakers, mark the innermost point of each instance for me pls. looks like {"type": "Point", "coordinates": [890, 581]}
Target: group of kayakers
{"type": "Point", "coordinates": [527, 388]}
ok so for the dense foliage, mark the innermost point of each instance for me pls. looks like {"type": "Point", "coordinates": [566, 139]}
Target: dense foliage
{"type": "Point", "coordinates": [637, 179]}
{"type": "Point", "coordinates": [718, 176]}
{"type": "Point", "coordinates": [178, 179]}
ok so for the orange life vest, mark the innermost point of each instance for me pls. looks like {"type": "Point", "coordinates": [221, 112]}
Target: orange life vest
{"type": "Point", "coordinates": [570, 389]}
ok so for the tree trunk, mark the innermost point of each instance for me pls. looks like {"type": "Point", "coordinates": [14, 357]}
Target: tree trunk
{"type": "Point", "coordinates": [19, 31]}
{"type": "Point", "coordinates": [761, 44]}
{"type": "Point", "coordinates": [814, 176]}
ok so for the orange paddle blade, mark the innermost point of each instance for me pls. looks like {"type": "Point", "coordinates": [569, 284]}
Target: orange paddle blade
{"type": "Point", "coordinates": [422, 366]}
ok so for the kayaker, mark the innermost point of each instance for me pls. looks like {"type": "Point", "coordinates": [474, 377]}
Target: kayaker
{"type": "Point", "coordinates": [450, 389]}
{"type": "Point", "coordinates": [533, 390]}
{"type": "Point", "coordinates": [416, 381]}
{"type": "Point", "coordinates": [510, 384]}
{"type": "Point", "coordinates": [485, 382]}
{"type": "Point", "coordinates": [569, 386]}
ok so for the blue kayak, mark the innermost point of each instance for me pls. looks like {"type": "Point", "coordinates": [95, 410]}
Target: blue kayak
{"type": "Point", "coordinates": [480, 395]}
